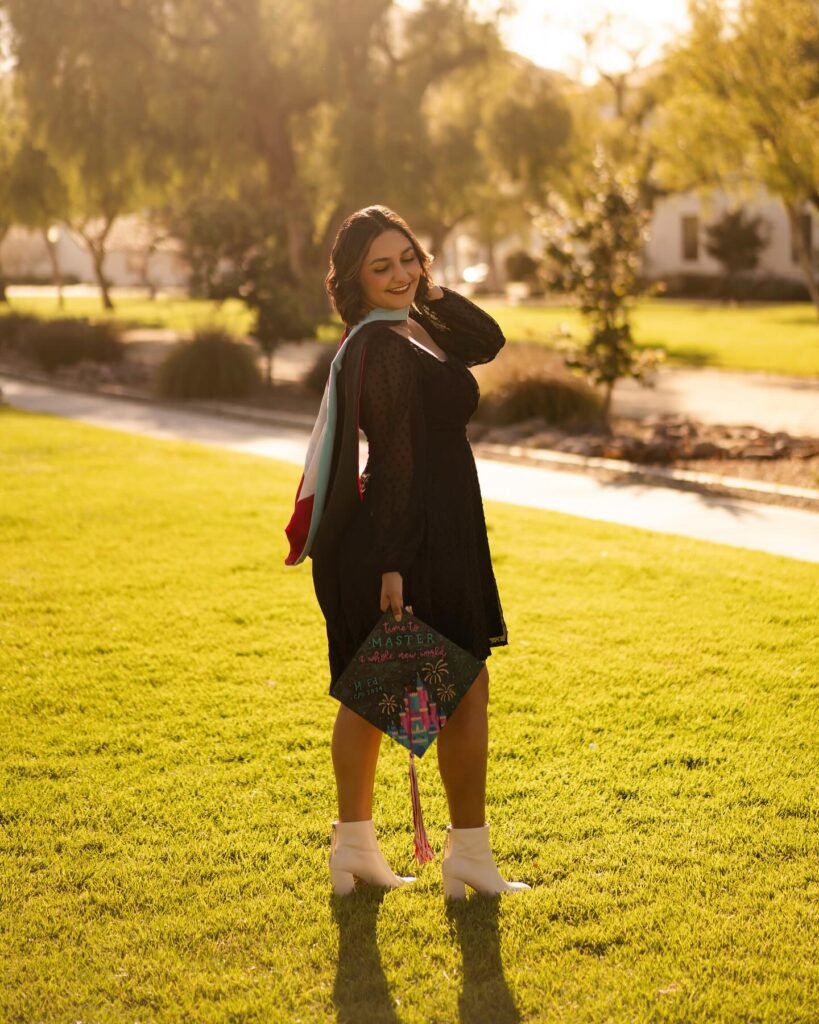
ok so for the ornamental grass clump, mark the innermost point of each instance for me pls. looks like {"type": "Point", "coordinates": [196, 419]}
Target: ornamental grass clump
{"type": "Point", "coordinates": [527, 382]}
{"type": "Point", "coordinates": [315, 380]}
{"type": "Point", "coordinates": [13, 328]}
{"type": "Point", "coordinates": [212, 365]}
{"type": "Point", "coordinates": [55, 343]}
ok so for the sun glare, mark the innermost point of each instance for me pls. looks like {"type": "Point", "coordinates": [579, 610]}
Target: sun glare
{"type": "Point", "coordinates": [610, 35]}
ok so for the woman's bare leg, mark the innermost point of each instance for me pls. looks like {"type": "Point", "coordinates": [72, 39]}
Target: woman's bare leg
{"type": "Point", "coordinates": [356, 745]}
{"type": "Point", "coordinates": [462, 751]}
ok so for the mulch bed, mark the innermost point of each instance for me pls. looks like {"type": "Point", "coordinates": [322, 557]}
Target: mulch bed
{"type": "Point", "coordinates": [730, 450]}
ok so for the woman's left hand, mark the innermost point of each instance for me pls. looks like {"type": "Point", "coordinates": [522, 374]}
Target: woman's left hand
{"type": "Point", "coordinates": [392, 594]}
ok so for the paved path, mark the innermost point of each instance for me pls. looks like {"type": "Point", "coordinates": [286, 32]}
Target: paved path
{"type": "Point", "coordinates": [720, 396]}
{"type": "Point", "coordinates": [713, 396]}
{"type": "Point", "coordinates": [744, 524]}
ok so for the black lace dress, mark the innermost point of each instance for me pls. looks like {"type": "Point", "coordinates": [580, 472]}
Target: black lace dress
{"type": "Point", "coordinates": [421, 513]}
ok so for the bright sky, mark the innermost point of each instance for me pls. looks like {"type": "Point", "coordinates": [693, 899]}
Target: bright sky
{"type": "Point", "coordinates": [549, 32]}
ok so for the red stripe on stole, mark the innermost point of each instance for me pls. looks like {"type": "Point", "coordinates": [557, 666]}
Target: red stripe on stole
{"type": "Point", "coordinates": [299, 526]}
{"type": "Point", "coordinates": [358, 421]}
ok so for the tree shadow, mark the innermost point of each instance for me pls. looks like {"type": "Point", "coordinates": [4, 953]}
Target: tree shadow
{"type": "Point", "coordinates": [485, 994]}
{"type": "Point", "coordinates": [689, 355]}
{"type": "Point", "coordinates": [360, 991]}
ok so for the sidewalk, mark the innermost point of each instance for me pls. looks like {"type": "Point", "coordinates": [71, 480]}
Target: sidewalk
{"type": "Point", "coordinates": [744, 524]}
{"type": "Point", "coordinates": [765, 400]}
{"type": "Point", "coordinates": [770, 401]}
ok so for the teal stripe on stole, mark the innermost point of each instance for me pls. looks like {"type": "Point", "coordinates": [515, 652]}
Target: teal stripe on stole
{"type": "Point", "coordinates": [326, 445]}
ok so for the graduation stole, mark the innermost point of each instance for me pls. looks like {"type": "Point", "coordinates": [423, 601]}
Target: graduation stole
{"type": "Point", "coordinates": [311, 496]}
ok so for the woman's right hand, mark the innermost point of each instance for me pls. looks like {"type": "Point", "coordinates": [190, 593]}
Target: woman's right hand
{"type": "Point", "coordinates": [392, 594]}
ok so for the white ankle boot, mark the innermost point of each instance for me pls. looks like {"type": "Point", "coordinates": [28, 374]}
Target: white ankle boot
{"type": "Point", "coordinates": [468, 861]}
{"type": "Point", "coordinates": [354, 853]}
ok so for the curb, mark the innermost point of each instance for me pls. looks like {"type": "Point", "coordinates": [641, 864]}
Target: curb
{"type": "Point", "coordinates": [279, 417]}
{"type": "Point", "coordinates": [679, 478]}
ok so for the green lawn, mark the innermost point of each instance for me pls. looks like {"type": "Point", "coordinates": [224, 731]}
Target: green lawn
{"type": "Point", "coordinates": [174, 314]}
{"type": "Point", "coordinates": [168, 793]}
{"type": "Point", "coordinates": [777, 339]}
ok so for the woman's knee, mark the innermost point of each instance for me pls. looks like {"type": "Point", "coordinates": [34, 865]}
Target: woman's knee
{"type": "Point", "coordinates": [477, 696]}
{"type": "Point", "coordinates": [481, 684]}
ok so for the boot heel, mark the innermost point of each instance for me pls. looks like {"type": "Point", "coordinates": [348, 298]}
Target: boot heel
{"type": "Point", "coordinates": [343, 882]}
{"type": "Point", "coordinates": [454, 888]}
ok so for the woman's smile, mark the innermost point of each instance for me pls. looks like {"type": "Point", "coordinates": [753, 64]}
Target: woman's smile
{"type": "Point", "coordinates": [390, 256]}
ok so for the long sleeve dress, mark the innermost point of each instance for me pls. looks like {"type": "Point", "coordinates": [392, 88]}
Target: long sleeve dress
{"type": "Point", "coordinates": [420, 512]}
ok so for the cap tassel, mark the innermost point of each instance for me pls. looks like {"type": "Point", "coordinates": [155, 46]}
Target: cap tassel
{"type": "Point", "coordinates": [423, 850]}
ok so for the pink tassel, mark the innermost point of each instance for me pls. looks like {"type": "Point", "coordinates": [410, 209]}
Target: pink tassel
{"type": "Point", "coordinates": [423, 851]}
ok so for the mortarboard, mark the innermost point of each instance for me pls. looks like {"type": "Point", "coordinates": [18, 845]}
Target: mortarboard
{"type": "Point", "coordinates": [407, 679]}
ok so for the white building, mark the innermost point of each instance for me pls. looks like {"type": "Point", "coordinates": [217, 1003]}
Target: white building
{"type": "Point", "coordinates": [676, 243]}
{"type": "Point", "coordinates": [24, 255]}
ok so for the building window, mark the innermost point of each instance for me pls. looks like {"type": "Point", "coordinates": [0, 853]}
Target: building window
{"type": "Point", "coordinates": [691, 238]}
{"type": "Point", "coordinates": [806, 227]}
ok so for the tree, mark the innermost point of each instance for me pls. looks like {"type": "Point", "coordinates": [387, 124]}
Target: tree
{"type": "Point", "coordinates": [90, 81]}
{"type": "Point", "coordinates": [237, 247]}
{"type": "Point", "coordinates": [594, 253]}
{"type": "Point", "coordinates": [744, 108]}
{"type": "Point", "coordinates": [331, 120]}
{"type": "Point", "coordinates": [615, 113]}
{"type": "Point", "coordinates": [217, 232]}
{"type": "Point", "coordinates": [492, 137]}
{"type": "Point", "coordinates": [11, 131]}
{"type": "Point", "coordinates": [736, 240]}
{"type": "Point", "coordinates": [281, 312]}
{"type": "Point", "coordinates": [526, 130]}
{"type": "Point", "coordinates": [38, 200]}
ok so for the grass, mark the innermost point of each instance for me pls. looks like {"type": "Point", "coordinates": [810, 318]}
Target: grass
{"type": "Point", "coordinates": [776, 338]}
{"type": "Point", "coordinates": [177, 314]}
{"type": "Point", "coordinates": [167, 795]}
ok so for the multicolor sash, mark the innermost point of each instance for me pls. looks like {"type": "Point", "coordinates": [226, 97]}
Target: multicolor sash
{"type": "Point", "coordinates": [312, 493]}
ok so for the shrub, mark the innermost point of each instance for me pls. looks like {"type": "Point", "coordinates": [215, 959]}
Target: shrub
{"type": "Point", "coordinates": [315, 379]}
{"type": "Point", "coordinates": [13, 328]}
{"type": "Point", "coordinates": [213, 365]}
{"type": "Point", "coordinates": [746, 288]}
{"type": "Point", "coordinates": [521, 266]}
{"type": "Point", "coordinates": [55, 343]}
{"type": "Point", "coordinates": [527, 382]}
{"type": "Point", "coordinates": [595, 252]}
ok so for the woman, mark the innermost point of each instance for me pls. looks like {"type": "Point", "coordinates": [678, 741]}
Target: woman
{"type": "Point", "coordinates": [411, 532]}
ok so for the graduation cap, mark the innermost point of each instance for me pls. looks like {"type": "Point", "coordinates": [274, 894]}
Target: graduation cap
{"type": "Point", "coordinates": [407, 679]}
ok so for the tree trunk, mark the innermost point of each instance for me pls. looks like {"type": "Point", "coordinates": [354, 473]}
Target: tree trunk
{"type": "Point", "coordinates": [605, 411]}
{"type": "Point", "coordinates": [98, 257]}
{"type": "Point", "coordinates": [144, 277]}
{"type": "Point", "coordinates": [437, 237]}
{"type": "Point", "coordinates": [96, 249]}
{"type": "Point", "coordinates": [297, 240]}
{"type": "Point", "coordinates": [492, 282]}
{"type": "Point", "coordinates": [3, 296]}
{"type": "Point", "coordinates": [803, 253]}
{"type": "Point", "coordinates": [329, 235]}
{"type": "Point", "coordinates": [56, 270]}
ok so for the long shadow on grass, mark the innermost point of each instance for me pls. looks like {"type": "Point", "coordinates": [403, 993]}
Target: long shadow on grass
{"type": "Point", "coordinates": [485, 995]}
{"type": "Point", "coordinates": [360, 992]}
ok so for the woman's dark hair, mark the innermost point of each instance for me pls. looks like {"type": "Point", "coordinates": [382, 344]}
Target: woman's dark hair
{"type": "Point", "coordinates": [352, 242]}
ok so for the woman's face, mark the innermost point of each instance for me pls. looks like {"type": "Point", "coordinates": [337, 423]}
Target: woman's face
{"type": "Point", "coordinates": [390, 272]}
